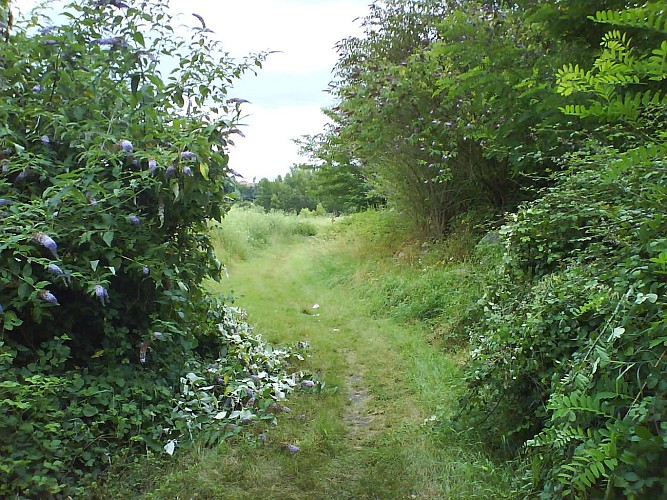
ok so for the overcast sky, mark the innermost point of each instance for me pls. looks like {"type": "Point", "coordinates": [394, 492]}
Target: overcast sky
{"type": "Point", "coordinates": [288, 93]}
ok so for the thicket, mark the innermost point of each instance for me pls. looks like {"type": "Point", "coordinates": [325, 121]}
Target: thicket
{"type": "Point", "coordinates": [557, 108]}
{"type": "Point", "coordinates": [113, 135]}
{"type": "Point", "coordinates": [568, 355]}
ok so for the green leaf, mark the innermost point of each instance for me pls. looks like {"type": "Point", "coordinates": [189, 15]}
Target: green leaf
{"type": "Point", "coordinates": [108, 238]}
{"type": "Point", "coordinates": [89, 411]}
{"type": "Point", "coordinates": [134, 83]}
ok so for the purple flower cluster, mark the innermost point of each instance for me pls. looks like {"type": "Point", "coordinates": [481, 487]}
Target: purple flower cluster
{"type": "Point", "coordinates": [292, 448]}
{"type": "Point", "coordinates": [102, 294]}
{"type": "Point", "coordinates": [55, 269]}
{"type": "Point", "coordinates": [47, 242]}
{"type": "Point", "coordinates": [47, 296]}
{"type": "Point", "coordinates": [126, 146]}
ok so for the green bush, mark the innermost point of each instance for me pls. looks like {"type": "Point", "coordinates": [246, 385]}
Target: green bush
{"type": "Point", "coordinates": [568, 357]}
{"type": "Point", "coordinates": [113, 159]}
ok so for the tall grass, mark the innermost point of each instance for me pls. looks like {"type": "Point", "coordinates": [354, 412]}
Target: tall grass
{"type": "Point", "coordinates": [246, 230]}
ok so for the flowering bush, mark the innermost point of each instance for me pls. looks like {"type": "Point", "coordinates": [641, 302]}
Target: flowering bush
{"type": "Point", "coordinates": [113, 158]}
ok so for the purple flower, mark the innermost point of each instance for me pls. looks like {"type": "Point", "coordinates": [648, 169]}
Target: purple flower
{"type": "Point", "coordinates": [152, 165]}
{"type": "Point", "coordinates": [55, 269]}
{"type": "Point", "coordinates": [46, 140]}
{"type": "Point", "coordinates": [292, 448]}
{"type": "Point", "coordinates": [47, 242]}
{"type": "Point", "coordinates": [187, 171]}
{"type": "Point", "coordinates": [250, 392]}
{"type": "Point", "coordinates": [169, 172]}
{"type": "Point", "coordinates": [37, 89]}
{"type": "Point", "coordinates": [102, 294]}
{"type": "Point", "coordinates": [146, 270]}
{"type": "Point", "coordinates": [4, 203]}
{"type": "Point", "coordinates": [245, 420]}
{"type": "Point", "coordinates": [308, 383]}
{"type": "Point", "coordinates": [188, 155]}
{"type": "Point", "coordinates": [251, 402]}
{"type": "Point", "coordinates": [91, 198]}
{"type": "Point", "coordinates": [23, 175]}
{"type": "Point", "coordinates": [262, 437]}
{"type": "Point", "coordinates": [0, 308]}
{"type": "Point", "coordinates": [126, 146]}
{"type": "Point", "coordinates": [47, 296]}
{"type": "Point", "coordinates": [158, 335]}
{"type": "Point", "coordinates": [134, 220]}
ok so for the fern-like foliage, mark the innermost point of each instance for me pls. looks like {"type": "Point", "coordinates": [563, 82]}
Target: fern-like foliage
{"type": "Point", "coordinates": [651, 16]}
{"type": "Point", "coordinates": [623, 83]}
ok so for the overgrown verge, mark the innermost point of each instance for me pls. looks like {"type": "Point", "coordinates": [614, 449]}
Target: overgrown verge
{"type": "Point", "coordinates": [413, 280]}
{"type": "Point", "coordinates": [568, 356]}
{"type": "Point", "coordinates": [247, 230]}
{"type": "Point", "coordinates": [112, 160]}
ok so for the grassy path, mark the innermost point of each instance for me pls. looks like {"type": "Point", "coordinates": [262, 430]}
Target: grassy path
{"type": "Point", "coordinates": [369, 433]}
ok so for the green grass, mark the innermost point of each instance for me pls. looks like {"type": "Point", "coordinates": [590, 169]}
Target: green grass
{"type": "Point", "coordinates": [378, 430]}
{"type": "Point", "coordinates": [248, 230]}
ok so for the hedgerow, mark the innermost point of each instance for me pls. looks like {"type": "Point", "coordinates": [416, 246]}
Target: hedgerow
{"type": "Point", "coordinates": [568, 358]}
{"type": "Point", "coordinates": [113, 136]}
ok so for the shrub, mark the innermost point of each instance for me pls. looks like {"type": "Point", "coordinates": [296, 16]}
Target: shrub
{"type": "Point", "coordinates": [568, 356]}
{"type": "Point", "coordinates": [113, 159]}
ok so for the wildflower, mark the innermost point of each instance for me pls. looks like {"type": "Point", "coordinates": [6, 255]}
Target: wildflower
{"type": "Point", "coordinates": [46, 140]}
{"type": "Point", "coordinates": [91, 198]}
{"type": "Point", "coordinates": [0, 308]}
{"type": "Point", "coordinates": [47, 242]}
{"type": "Point", "coordinates": [188, 155]}
{"type": "Point", "coordinates": [187, 171]}
{"type": "Point", "coordinates": [134, 220]}
{"type": "Point", "coordinates": [126, 146]}
{"type": "Point", "coordinates": [23, 175]}
{"type": "Point", "coordinates": [116, 41]}
{"type": "Point", "coordinates": [55, 269]}
{"type": "Point", "coordinates": [37, 89]}
{"type": "Point", "coordinates": [158, 335]}
{"type": "Point", "coordinates": [262, 437]}
{"type": "Point", "coordinates": [245, 420]}
{"type": "Point", "coordinates": [146, 270]}
{"type": "Point", "coordinates": [47, 296]}
{"type": "Point", "coordinates": [250, 392]}
{"type": "Point", "coordinates": [169, 172]}
{"type": "Point", "coordinates": [308, 383]}
{"type": "Point", "coordinates": [102, 294]}
{"type": "Point", "coordinates": [292, 448]}
{"type": "Point", "coordinates": [4, 203]}
{"type": "Point", "coordinates": [152, 165]}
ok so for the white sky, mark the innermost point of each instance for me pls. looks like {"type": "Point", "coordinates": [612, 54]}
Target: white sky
{"type": "Point", "coordinates": [287, 94]}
